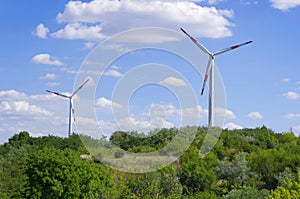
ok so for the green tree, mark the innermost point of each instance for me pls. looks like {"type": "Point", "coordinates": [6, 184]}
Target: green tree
{"type": "Point", "coordinates": [236, 172]}
{"type": "Point", "coordinates": [161, 183]}
{"type": "Point", "coordinates": [247, 193]}
{"type": "Point", "coordinates": [54, 173]}
{"type": "Point", "coordinates": [12, 173]}
{"type": "Point", "coordinates": [18, 140]}
{"type": "Point", "coordinates": [291, 190]}
{"type": "Point", "coordinates": [195, 175]}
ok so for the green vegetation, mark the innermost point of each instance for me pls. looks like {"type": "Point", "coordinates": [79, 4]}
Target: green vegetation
{"type": "Point", "coordinates": [248, 163]}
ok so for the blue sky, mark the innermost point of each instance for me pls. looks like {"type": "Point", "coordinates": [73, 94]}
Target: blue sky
{"type": "Point", "coordinates": [44, 43]}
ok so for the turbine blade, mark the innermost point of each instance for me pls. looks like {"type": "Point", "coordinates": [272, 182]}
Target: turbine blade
{"type": "Point", "coordinates": [231, 48]}
{"type": "Point", "coordinates": [196, 42]}
{"type": "Point", "coordinates": [80, 87]}
{"type": "Point", "coordinates": [56, 93]}
{"type": "Point", "coordinates": [206, 74]}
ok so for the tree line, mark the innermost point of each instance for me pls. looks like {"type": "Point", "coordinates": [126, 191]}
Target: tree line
{"type": "Point", "coordinates": [248, 163]}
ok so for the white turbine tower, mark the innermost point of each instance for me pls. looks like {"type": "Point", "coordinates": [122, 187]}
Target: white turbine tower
{"type": "Point", "coordinates": [71, 110]}
{"type": "Point", "coordinates": [210, 73]}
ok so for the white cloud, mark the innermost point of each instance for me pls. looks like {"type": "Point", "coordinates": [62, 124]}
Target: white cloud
{"type": "Point", "coordinates": [284, 5]}
{"type": "Point", "coordinates": [107, 104]}
{"type": "Point", "coordinates": [68, 70]}
{"type": "Point", "coordinates": [49, 76]}
{"type": "Point", "coordinates": [170, 111]}
{"type": "Point", "coordinates": [52, 84]}
{"type": "Point", "coordinates": [131, 123]}
{"type": "Point", "coordinates": [291, 95]}
{"type": "Point", "coordinates": [112, 73]}
{"type": "Point", "coordinates": [214, 1]}
{"type": "Point", "coordinates": [12, 94]}
{"type": "Point", "coordinates": [80, 31]}
{"type": "Point", "coordinates": [249, 2]}
{"type": "Point", "coordinates": [255, 116]}
{"type": "Point", "coordinates": [115, 47]}
{"type": "Point", "coordinates": [229, 114]}
{"type": "Point", "coordinates": [97, 19]}
{"type": "Point", "coordinates": [41, 31]}
{"type": "Point", "coordinates": [173, 81]}
{"type": "Point", "coordinates": [109, 72]}
{"type": "Point", "coordinates": [89, 45]}
{"type": "Point", "coordinates": [40, 114]}
{"type": "Point", "coordinates": [22, 107]}
{"type": "Point", "coordinates": [284, 80]}
{"type": "Point", "coordinates": [221, 112]}
{"type": "Point", "coordinates": [293, 115]}
{"type": "Point", "coordinates": [232, 126]}
{"type": "Point", "coordinates": [46, 59]}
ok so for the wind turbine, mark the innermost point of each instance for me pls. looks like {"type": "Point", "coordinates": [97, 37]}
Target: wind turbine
{"type": "Point", "coordinates": [71, 110]}
{"type": "Point", "coordinates": [210, 73]}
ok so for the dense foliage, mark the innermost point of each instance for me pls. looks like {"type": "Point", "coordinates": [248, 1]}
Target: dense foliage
{"type": "Point", "coordinates": [248, 163]}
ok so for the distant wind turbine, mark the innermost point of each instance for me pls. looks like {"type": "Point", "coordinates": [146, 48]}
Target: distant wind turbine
{"type": "Point", "coordinates": [210, 69]}
{"type": "Point", "coordinates": [71, 110]}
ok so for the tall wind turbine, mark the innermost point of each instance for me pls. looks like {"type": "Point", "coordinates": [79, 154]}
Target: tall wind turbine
{"type": "Point", "coordinates": [71, 110]}
{"type": "Point", "coordinates": [210, 69]}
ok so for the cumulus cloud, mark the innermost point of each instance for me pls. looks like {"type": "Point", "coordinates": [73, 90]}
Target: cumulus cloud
{"type": "Point", "coordinates": [285, 80]}
{"type": "Point", "coordinates": [107, 104]}
{"type": "Point", "coordinates": [12, 94]}
{"type": "Point", "coordinates": [232, 126]}
{"type": "Point", "coordinates": [41, 31]}
{"type": "Point", "coordinates": [221, 112]}
{"type": "Point", "coordinates": [80, 31]}
{"type": "Point", "coordinates": [170, 111]}
{"type": "Point", "coordinates": [22, 107]}
{"type": "Point", "coordinates": [40, 114]}
{"type": "Point", "coordinates": [68, 70]}
{"type": "Point", "coordinates": [49, 76]}
{"type": "Point", "coordinates": [214, 1]}
{"type": "Point", "coordinates": [109, 72]}
{"type": "Point", "coordinates": [255, 116]}
{"type": "Point", "coordinates": [97, 19]}
{"type": "Point", "coordinates": [291, 95]}
{"type": "Point", "coordinates": [131, 123]}
{"type": "Point", "coordinates": [293, 115]}
{"type": "Point", "coordinates": [173, 81]}
{"type": "Point", "coordinates": [112, 73]}
{"type": "Point", "coordinates": [249, 2]}
{"type": "Point", "coordinates": [46, 59]}
{"type": "Point", "coordinates": [89, 45]}
{"type": "Point", "coordinates": [284, 5]}
{"type": "Point", "coordinates": [52, 84]}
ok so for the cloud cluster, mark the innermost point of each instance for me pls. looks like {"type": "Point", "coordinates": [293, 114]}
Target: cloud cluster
{"type": "Point", "coordinates": [293, 116]}
{"type": "Point", "coordinates": [291, 95]}
{"type": "Point", "coordinates": [46, 59]}
{"type": "Point", "coordinates": [98, 19]}
{"type": "Point", "coordinates": [48, 76]}
{"type": "Point", "coordinates": [232, 126]}
{"type": "Point", "coordinates": [255, 116]}
{"type": "Point", "coordinates": [22, 111]}
{"type": "Point", "coordinates": [41, 31]}
{"type": "Point", "coordinates": [284, 5]}
{"type": "Point", "coordinates": [22, 108]}
{"type": "Point", "coordinates": [173, 81]}
{"type": "Point", "coordinates": [107, 104]}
